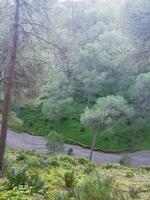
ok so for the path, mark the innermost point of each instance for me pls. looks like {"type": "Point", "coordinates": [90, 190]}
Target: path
{"type": "Point", "coordinates": [24, 141]}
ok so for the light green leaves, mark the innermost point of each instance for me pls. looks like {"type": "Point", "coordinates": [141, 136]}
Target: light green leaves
{"type": "Point", "coordinates": [105, 111]}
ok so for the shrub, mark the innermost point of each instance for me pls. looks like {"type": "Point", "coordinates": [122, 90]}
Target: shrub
{"type": "Point", "coordinates": [21, 177]}
{"type": "Point", "coordinates": [44, 162]}
{"type": "Point", "coordinates": [21, 156]}
{"type": "Point", "coordinates": [69, 179]}
{"type": "Point", "coordinates": [62, 196]}
{"type": "Point", "coordinates": [17, 176]}
{"type": "Point", "coordinates": [14, 120]}
{"type": "Point", "coordinates": [97, 189]}
{"type": "Point", "coordinates": [129, 174]}
{"type": "Point", "coordinates": [83, 161]}
{"type": "Point", "coordinates": [55, 142]}
{"type": "Point", "coordinates": [125, 161]}
{"type": "Point", "coordinates": [55, 162]}
{"type": "Point", "coordinates": [70, 152]}
{"type": "Point", "coordinates": [133, 192]}
{"type": "Point", "coordinates": [35, 183]}
{"type": "Point", "coordinates": [17, 193]}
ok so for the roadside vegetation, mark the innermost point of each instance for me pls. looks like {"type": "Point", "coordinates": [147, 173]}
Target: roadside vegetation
{"type": "Point", "coordinates": [34, 176]}
{"type": "Point", "coordinates": [116, 138]}
{"type": "Point", "coordinates": [77, 72]}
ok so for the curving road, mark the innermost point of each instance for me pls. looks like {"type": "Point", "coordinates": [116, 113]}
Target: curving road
{"type": "Point", "coordinates": [24, 141]}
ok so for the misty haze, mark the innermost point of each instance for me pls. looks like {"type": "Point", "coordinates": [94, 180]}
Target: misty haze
{"type": "Point", "coordinates": [74, 99]}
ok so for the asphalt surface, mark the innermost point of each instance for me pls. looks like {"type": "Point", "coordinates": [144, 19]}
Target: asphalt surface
{"type": "Point", "coordinates": [24, 141]}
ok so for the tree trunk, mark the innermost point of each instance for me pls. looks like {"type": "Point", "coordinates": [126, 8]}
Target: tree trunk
{"type": "Point", "coordinates": [8, 87]}
{"type": "Point", "coordinates": [93, 144]}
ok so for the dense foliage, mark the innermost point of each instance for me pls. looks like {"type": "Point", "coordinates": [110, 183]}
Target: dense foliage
{"type": "Point", "coordinates": [71, 53]}
{"type": "Point", "coordinates": [67, 178]}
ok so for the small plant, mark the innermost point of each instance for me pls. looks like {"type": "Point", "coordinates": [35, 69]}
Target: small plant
{"type": "Point", "coordinates": [82, 129]}
{"type": "Point", "coordinates": [55, 142]}
{"type": "Point", "coordinates": [69, 179]}
{"type": "Point", "coordinates": [125, 161]}
{"type": "Point", "coordinates": [70, 152]}
{"type": "Point", "coordinates": [17, 176]}
{"type": "Point", "coordinates": [62, 196]}
{"type": "Point", "coordinates": [35, 183]}
{"type": "Point", "coordinates": [55, 162]}
{"type": "Point", "coordinates": [133, 192]}
{"type": "Point", "coordinates": [21, 156]}
{"type": "Point", "coordinates": [95, 189]}
{"type": "Point", "coordinates": [98, 189]}
{"type": "Point", "coordinates": [21, 177]}
{"type": "Point", "coordinates": [129, 174]}
{"type": "Point", "coordinates": [83, 161]}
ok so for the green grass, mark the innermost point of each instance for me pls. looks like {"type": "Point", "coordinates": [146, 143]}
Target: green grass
{"type": "Point", "coordinates": [35, 122]}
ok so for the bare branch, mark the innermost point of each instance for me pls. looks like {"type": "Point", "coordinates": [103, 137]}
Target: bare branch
{"type": "Point", "coordinates": [46, 41]}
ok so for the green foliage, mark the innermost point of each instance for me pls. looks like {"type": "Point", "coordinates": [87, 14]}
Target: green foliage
{"type": "Point", "coordinates": [125, 161]}
{"type": "Point", "coordinates": [69, 179]}
{"type": "Point", "coordinates": [98, 189]}
{"type": "Point", "coordinates": [70, 151]}
{"type": "Point", "coordinates": [129, 174]}
{"type": "Point", "coordinates": [21, 177]}
{"type": "Point", "coordinates": [131, 133]}
{"type": "Point", "coordinates": [59, 95]}
{"type": "Point", "coordinates": [55, 142]}
{"type": "Point", "coordinates": [140, 94]}
{"type": "Point", "coordinates": [133, 192]}
{"type": "Point", "coordinates": [17, 176]}
{"type": "Point", "coordinates": [82, 185]}
{"type": "Point", "coordinates": [17, 193]}
{"type": "Point", "coordinates": [105, 111]}
{"type": "Point", "coordinates": [94, 58]}
{"type": "Point", "coordinates": [21, 156]}
{"type": "Point", "coordinates": [111, 139]}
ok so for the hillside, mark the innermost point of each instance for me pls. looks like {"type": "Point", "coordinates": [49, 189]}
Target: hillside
{"type": "Point", "coordinates": [67, 178]}
{"type": "Point", "coordinates": [118, 138]}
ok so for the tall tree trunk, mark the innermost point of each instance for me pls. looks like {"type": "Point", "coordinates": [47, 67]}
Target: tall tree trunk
{"type": "Point", "coordinates": [5, 113]}
{"type": "Point", "coordinates": [93, 144]}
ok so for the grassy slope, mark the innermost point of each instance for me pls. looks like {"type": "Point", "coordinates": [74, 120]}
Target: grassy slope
{"type": "Point", "coordinates": [52, 169]}
{"type": "Point", "coordinates": [73, 131]}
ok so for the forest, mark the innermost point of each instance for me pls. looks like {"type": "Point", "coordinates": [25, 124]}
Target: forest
{"type": "Point", "coordinates": [74, 99]}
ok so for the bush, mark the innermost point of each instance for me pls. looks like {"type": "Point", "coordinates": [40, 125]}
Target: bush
{"type": "Point", "coordinates": [70, 152]}
{"type": "Point", "coordinates": [14, 120]}
{"type": "Point", "coordinates": [129, 174]}
{"type": "Point", "coordinates": [98, 189]}
{"type": "Point", "coordinates": [69, 179]}
{"type": "Point", "coordinates": [125, 161]}
{"type": "Point", "coordinates": [83, 161]}
{"type": "Point", "coordinates": [17, 193]}
{"type": "Point", "coordinates": [55, 142]}
{"type": "Point", "coordinates": [95, 189]}
{"type": "Point", "coordinates": [17, 176]}
{"type": "Point", "coordinates": [62, 196]}
{"type": "Point", "coordinates": [21, 177]}
{"type": "Point", "coordinates": [21, 156]}
{"type": "Point", "coordinates": [133, 192]}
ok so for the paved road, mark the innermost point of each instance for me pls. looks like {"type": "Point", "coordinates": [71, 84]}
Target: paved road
{"type": "Point", "coordinates": [24, 141]}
